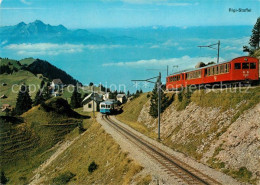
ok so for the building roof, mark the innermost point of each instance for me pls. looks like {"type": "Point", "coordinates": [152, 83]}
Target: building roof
{"type": "Point", "coordinates": [57, 81]}
{"type": "Point", "coordinates": [97, 98]}
{"type": "Point", "coordinates": [3, 96]}
{"type": "Point", "coordinates": [120, 95]}
{"type": "Point", "coordinates": [108, 102]}
{"type": "Point", "coordinates": [5, 105]}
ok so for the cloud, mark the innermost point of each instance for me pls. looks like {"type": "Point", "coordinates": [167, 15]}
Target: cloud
{"type": "Point", "coordinates": [25, 2]}
{"type": "Point", "coordinates": [166, 44]}
{"type": "Point", "coordinates": [157, 2]}
{"type": "Point", "coordinates": [103, 46]}
{"type": "Point", "coordinates": [44, 48]}
{"type": "Point", "coordinates": [20, 8]}
{"type": "Point", "coordinates": [1, 2]}
{"type": "Point", "coordinates": [183, 62]}
{"type": "Point", "coordinates": [54, 49]}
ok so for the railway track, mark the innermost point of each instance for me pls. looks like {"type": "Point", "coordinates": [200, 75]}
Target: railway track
{"type": "Point", "coordinates": [180, 171]}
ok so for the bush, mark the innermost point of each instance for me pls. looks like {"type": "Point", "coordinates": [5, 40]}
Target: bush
{"type": "Point", "coordinates": [3, 178]}
{"type": "Point", "coordinates": [63, 178]}
{"type": "Point", "coordinates": [243, 173]}
{"type": "Point", "coordinates": [92, 167]}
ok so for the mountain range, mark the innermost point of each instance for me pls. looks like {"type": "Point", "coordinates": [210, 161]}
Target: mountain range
{"type": "Point", "coordinates": [38, 31]}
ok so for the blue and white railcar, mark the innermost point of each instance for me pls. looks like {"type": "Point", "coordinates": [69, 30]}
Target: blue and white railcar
{"type": "Point", "coordinates": [108, 107]}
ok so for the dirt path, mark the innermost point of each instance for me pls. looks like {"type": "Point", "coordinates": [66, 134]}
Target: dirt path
{"type": "Point", "coordinates": [158, 173]}
{"type": "Point", "coordinates": [61, 147]}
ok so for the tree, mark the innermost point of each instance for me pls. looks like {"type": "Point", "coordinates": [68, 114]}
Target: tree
{"type": "Point", "coordinates": [75, 101]}
{"type": "Point", "coordinates": [4, 180]}
{"type": "Point", "coordinates": [112, 95]}
{"type": "Point", "coordinates": [92, 167]}
{"type": "Point", "coordinates": [165, 102]}
{"type": "Point", "coordinates": [128, 94]}
{"type": "Point", "coordinates": [47, 91]}
{"type": "Point", "coordinates": [24, 101]}
{"type": "Point", "coordinates": [39, 98]}
{"type": "Point", "coordinates": [91, 84]}
{"type": "Point", "coordinates": [255, 37]}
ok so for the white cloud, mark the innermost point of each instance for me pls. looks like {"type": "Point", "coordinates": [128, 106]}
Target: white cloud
{"type": "Point", "coordinates": [26, 2]}
{"type": "Point", "coordinates": [1, 2]}
{"type": "Point", "coordinates": [157, 2]}
{"type": "Point", "coordinates": [24, 8]}
{"type": "Point", "coordinates": [103, 46]}
{"type": "Point", "coordinates": [232, 48]}
{"type": "Point", "coordinates": [54, 49]}
{"type": "Point", "coordinates": [183, 62]}
{"type": "Point", "coordinates": [44, 48]}
{"type": "Point", "coordinates": [168, 43]}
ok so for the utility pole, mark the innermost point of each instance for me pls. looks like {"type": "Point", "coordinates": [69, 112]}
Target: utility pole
{"type": "Point", "coordinates": [218, 51]}
{"type": "Point", "coordinates": [159, 104]}
{"type": "Point", "coordinates": [210, 46]}
{"type": "Point", "coordinates": [158, 85]}
{"type": "Point", "coordinates": [93, 97]}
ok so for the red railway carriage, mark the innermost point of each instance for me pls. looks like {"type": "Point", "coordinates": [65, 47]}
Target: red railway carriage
{"type": "Point", "coordinates": [242, 69]}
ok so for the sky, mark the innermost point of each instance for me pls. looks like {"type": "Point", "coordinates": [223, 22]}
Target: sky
{"type": "Point", "coordinates": [129, 13]}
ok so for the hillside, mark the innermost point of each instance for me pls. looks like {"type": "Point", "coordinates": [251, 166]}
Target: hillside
{"type": "Point", "coordinates": [113, 165]}
{"type": "Point", "coordinates": [27, 141]}
{"type": "Point", "coordinates": [217, 128]}
{"type": "Point", "coordinates": [52, 144]}
{"type": "Point", "coordinates": [31, 72]}
{"type": "Point", "coordinates": [27, 61]}
{"type": "Point", "coordinates": [13, 81]}
{"type": "Point", "coordinates": [50, 71]}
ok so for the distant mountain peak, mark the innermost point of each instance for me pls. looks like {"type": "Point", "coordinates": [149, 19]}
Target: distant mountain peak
{"type": "Point", "coordinates": [38, 22]}
{"type": "Point", "coordinates": [21, 24]}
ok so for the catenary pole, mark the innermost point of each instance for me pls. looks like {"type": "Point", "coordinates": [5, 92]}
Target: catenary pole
{"type": "Point", "coordinates": [159, 103]}
{"type": "Point", "coordinates": [158, 84]}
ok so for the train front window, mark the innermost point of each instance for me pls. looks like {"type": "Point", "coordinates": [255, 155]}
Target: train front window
{"type": "Point", "coordinates": [252, 65]}
{"type": "Point", "coordinates": [245, 65]}
{"type": "Point", "coordinates": [103, 106]}
{"type": "Point", "coordinates": [108, 106]}
{"type": "Point", "coordinates": [237, 66]}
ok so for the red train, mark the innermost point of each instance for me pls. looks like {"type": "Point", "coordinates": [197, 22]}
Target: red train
{"type": "Point", "coordinates": [239, 70]}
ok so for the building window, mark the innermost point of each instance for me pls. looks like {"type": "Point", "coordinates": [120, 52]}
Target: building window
{"type": "Point", "coordinates": [237, 65]}
{"type": "Point", "coordinates": [252, 65]}
{"type": "Point", "coordinates": [89, 105]}
{"type": "Point", "coordinates": [245, 65]}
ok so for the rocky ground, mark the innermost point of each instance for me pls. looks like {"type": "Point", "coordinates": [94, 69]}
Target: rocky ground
{"type": "Point", "coordinates": [209, 135]}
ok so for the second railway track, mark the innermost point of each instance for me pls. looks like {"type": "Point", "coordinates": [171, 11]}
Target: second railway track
{"type": "Point", "coordinates": [182, 172]}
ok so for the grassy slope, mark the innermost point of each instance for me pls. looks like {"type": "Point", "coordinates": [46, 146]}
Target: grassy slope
{"type": "Point", "coordinates": [114, 166]}
{"type": "Point", "coordinates": [131, 111]}
{"type": "Point", "coordinates": [11, 63]}
{"type": "Point", "coordinates": [27, 61]}
{"type": "Point", "coordinates": [14, 81]}
{"type": "Point", "coordinates": [30, 143]}
{"type": "Point", "coordinates": [40, 131]}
